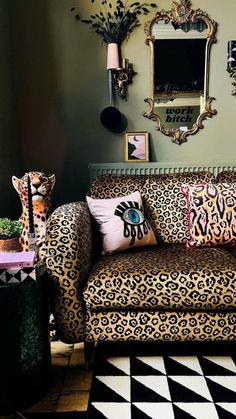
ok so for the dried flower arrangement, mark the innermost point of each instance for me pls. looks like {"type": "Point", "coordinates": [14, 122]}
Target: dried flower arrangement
{"type": "Point", "coordinates": [115, 22]}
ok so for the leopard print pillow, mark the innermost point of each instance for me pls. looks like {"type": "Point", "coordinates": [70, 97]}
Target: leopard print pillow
{"type": "Point", "coordinates": [211, 214]}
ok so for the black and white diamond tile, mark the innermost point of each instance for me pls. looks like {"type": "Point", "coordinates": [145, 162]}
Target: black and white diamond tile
{"type": "Point", "coordinates": [12, 276]}
{"type": "Point", "coordinates": [163, 387]}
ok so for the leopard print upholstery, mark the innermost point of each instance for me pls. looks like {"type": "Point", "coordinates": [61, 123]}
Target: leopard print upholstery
{"type": "Point", "coordinates": [160, 326]}
{"type": "Point", "coordinates": [113, 186]}
{"type": "Point", "coordinates": [41, 190]}
{"type": "Point", "coordinates": [211, 214]}
{"type": "Point", "coordinates": [164, 203]}
{"type": "Point", "coordinates": [163, 277]}
{"type": "Point", "coordinates": [226, 176]}
{"type": "Point", "coordinates": [68, 260]}
{"type": "Point", "coordinates": [118, 297]}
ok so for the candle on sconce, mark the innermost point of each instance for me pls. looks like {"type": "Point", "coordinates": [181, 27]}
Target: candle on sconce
{"type": "Point", "coordinates": [125, 63]}
{"type": "Point", "coordinates": [231, 59]}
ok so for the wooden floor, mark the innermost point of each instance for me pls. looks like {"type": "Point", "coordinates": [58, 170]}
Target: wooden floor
{"type": "Point", "coordinates": [71, 381]}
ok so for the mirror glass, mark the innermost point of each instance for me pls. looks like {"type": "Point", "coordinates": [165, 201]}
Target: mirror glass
{"type": "Point", "coordinates": [180, 47]}
{"type": "Point", "coordinates": [179, 68]}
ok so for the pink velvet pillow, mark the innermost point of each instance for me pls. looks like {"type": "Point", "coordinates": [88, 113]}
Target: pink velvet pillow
{"type": "Point", "coordinates": [121, 222]}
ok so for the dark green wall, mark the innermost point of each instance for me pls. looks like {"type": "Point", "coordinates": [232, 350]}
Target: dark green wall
{"type": "Point", "coordinates": [10, 152]}
{"type": "Point", "coordinates": [61, 89]}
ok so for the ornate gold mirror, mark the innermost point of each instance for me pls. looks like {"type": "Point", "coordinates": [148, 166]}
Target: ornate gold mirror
{"type": "Point", "coordinates": [180, 40]}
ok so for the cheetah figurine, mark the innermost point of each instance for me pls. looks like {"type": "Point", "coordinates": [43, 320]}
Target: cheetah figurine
{"type": "Point", "coordinates": [41, 190]}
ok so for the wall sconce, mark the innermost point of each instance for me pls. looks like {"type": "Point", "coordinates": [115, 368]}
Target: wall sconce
{"type": "Point", "coordinates": [231, 63]}
{"type": "Point", "coordinates": [122, 77]}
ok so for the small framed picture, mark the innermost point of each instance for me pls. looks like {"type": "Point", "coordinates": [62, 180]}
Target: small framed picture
{"type": "Point", "coordinates": [136, 147]}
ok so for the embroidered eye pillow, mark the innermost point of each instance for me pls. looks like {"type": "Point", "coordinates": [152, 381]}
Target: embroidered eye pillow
{"type": "Point", "coordinates": [121, 222]}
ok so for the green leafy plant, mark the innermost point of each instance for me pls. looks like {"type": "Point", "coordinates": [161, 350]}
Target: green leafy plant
{"type": "Point", "coordinates": [9, 228]}
{"type": "Point", "coordinates": [115, 22]}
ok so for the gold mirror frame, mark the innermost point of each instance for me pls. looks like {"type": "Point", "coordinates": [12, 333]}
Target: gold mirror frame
{"type": "Point", "coordinates": [180, 13]}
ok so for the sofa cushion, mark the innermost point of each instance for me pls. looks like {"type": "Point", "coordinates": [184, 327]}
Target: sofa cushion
{"type": "Point", "coordinates": [163, 277]}
{"type": "Point", "coordinates": [113, 186]}
{"type": "Point", "coordinates": [211, 213]}
{"type": "Point", "coordinates": [160, 325]}
{"type": "Point", "coordinates": [122, 223]}
{"type": "Point", "coordinates": [165, 204]}
{"type": "Point", "coordinates": [226, 176]}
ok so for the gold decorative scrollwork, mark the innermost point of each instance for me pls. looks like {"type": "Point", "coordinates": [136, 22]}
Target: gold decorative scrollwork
{"type": "Point", "coordinates": [181, 13]}
{"type": "Point", "coordinates": [121, 78]}
{"type": "Point", "coordinates": [233, 75]}
{"type": "Point", "coordinates": [181, 10]}
{"type": "Point", "coordinates": [178, 136]}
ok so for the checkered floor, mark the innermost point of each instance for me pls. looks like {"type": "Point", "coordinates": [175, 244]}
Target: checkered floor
{"type": "Point", "coordinates": [164, 387]}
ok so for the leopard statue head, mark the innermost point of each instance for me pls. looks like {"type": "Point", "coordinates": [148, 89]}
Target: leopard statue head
{"type": "Point", "coordinates": [41, 186]}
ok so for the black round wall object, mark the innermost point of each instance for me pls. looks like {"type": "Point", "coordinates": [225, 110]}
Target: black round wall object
{"type": "Point", "coordinates": [110, 117]}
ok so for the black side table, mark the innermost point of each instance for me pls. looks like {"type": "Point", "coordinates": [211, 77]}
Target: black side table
{"type": "Point", "coordinates": [25, 358]}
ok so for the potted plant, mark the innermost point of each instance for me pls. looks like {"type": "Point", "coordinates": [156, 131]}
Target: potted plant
{"type": "Point", "coordinates": [10, 231]}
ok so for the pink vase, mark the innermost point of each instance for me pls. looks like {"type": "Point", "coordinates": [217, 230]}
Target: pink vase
{"type": "Point", "coordinates": [112, 56]}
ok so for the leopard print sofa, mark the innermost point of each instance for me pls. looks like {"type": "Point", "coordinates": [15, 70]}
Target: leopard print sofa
{"type": "Point", "coordinates": [165, 292]}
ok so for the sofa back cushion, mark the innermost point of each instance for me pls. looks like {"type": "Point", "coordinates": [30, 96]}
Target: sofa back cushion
{"type": "Point", "coordinates": [164, 202]}
{"type": "Point", "coordinates": [227, 176]}
{"type": "Point", "coordinates": [114, 186]}
{"type": "Point", "coordinates": [166, 206]}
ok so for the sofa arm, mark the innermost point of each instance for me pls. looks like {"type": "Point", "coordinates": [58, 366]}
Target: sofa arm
{"type": "Point", "coordinates": [68, 260]}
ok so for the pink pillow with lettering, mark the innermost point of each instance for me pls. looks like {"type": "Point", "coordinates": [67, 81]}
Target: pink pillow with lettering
{"type": "Point", "coordinates": [121, 222]}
